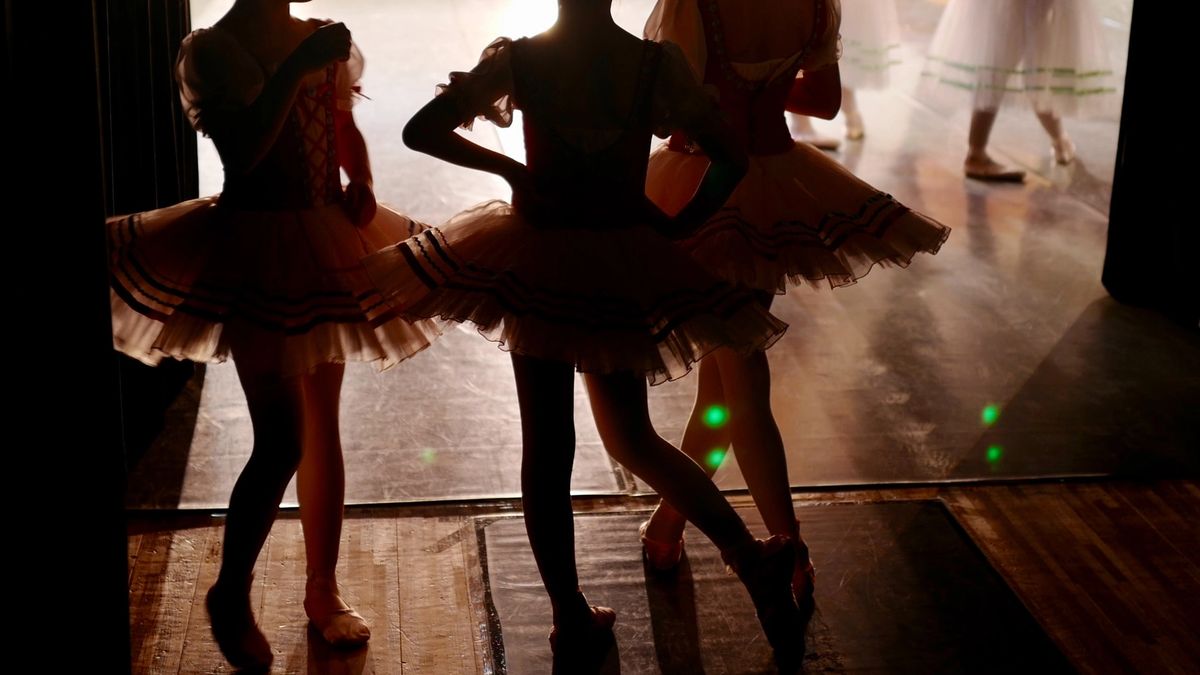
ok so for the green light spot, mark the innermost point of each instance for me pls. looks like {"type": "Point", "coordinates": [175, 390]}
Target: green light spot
{"type": "Point", "coordinates": [994, 453]}
{"type": "Point", "coordinates": [428, 455]}
{"type": "Point", "coordinates": [990, 414]}
{"type": "Point", "coordinates": [716, 416]}
{"type": "Point", "coordinates": [715, 458]}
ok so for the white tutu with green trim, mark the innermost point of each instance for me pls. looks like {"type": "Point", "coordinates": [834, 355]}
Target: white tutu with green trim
{"type": "Point", "coordinates": [1046, 54]}
{"type": "Point", "coordinates": [870, 43]}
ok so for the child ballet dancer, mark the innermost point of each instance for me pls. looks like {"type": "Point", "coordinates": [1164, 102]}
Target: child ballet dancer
{"type": "Point", "coordinates": [797, 217]}
{"type": "Point", "coordinates": [269, 272]}
{"type": "Point", "coordinates": [870, 45]}
{"type": "Point", "coordinates": [579, 274]}
{"type": "Point", "coordinates": [1045, 54]}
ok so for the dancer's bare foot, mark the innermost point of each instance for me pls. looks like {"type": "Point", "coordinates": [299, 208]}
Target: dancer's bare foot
{"type": "Point", "coordinates": [982, 167]}
{"type": "Point", "coordinates": [337, 622]}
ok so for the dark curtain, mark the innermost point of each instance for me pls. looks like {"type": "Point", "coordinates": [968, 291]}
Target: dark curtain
{"type": "Point", "coordinates": [1152, 233]}
{"type": "Point", "coordinates": [65, 475]}
{"type": "Point", "coordinates": [149, 149]}
{"type": "Point", "coordinates": [150, 162]}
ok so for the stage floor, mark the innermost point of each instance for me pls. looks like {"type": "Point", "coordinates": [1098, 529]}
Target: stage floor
{"type": "Point", "coordinates": [884, 382]}
{"type": "Point", "coordinates": [1108, 571]}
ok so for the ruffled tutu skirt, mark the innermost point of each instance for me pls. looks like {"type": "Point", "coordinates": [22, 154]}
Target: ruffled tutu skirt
{"type": "Point", "coordinates": [796, 217]}
{"type": "Point", "coordinates": [870, 43]}
{"type": "Point", "coordinates": [602, 299]}
{"type": "Point", "coordinates": [1045, 54]}
{"type": "Point", "coordinates": [286, 289]}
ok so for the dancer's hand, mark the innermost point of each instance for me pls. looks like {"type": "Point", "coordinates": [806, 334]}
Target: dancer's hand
{"type": "Point", "coordinates": [327, 44]}
{"type": "Point", "coordinates": [359, 202]}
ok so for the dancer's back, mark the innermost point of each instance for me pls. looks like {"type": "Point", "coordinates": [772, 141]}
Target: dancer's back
{"type": "Point", "coordinates": [589, 112]}
{"type": "Point", "coordinates": [750, 53]}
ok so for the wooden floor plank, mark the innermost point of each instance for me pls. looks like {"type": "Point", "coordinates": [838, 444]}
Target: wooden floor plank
{"type": "Point", "coordinates": [1105, 582]}
{"type": "Point", "coordinates": [162, 594]}
{"type": "Point", "coordinates": [434, 607]}
{"type": "Point", "coordinates": [200, 653]}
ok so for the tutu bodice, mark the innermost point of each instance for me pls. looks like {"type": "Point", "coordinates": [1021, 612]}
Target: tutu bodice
{"type": "Point", "coordinates": [301, 169]}
{"type": "Point", "coordinates": [752, 86]}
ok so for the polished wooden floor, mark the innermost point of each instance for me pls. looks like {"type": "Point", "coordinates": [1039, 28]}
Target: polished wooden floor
{"type": "Point", "coordinates": [1111, 570]}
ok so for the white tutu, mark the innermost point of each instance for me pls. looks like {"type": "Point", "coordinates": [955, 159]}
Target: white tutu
{"type": "Point", "coordinates": [870, 43]}
{"type": "Point", "coordinates": [1045, 54]}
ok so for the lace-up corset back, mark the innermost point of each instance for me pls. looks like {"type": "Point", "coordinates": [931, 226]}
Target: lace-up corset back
{"type": "Point", "coordinates": [301, 170]}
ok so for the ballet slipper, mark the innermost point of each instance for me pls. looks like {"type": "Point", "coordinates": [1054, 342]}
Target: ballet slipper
{"type": "Point", "coordinates": [1064, 150]}
{"type": "Point", "coordinates": [662, 556]}
{"type": "Point", "coordinates": [855, 131]}
{"type": "Point", "coordinates": [992, 171]}
{"type": "Point", "coordinates": [337, 622]}
{"type": "Point", "coordinates": [821, 142]}
{"type": "Point", "coordinates": [803, 131]}
{"type": "Point", "coordinates": [579, 645]}
{"type": "Point", "coordinates": [804, 576]}
{"type": "Point", "coordinates": [767, 568]}
{"type": "Point", "coordinates": [234, 629]}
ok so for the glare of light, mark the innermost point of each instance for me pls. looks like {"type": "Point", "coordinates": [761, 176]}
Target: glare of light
{"type": "Point", "coordinates": [994, 453]}
{"type": "Point", "coordinates": [716, 416]}
{"type": "Point", "coordinates": [528, 17]}
{"type": "Point", "coordinates": [715, 458]}
{"type": "Point", "coordinates": [991, 413]}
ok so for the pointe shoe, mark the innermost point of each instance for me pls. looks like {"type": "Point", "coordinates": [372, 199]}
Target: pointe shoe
{"type": "Point", "coordinates": [662, 556]}
{"type": "Point", "coordinates": [1064, 150]}
{"type": "Point", "coordinates": [235, 631]}
{"type": "Point", "coordinates": [992, 172]}
{"type": "Point", "coordinates": [767, 569]}
{"type": "Point", "coordinates": [337, 622]}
